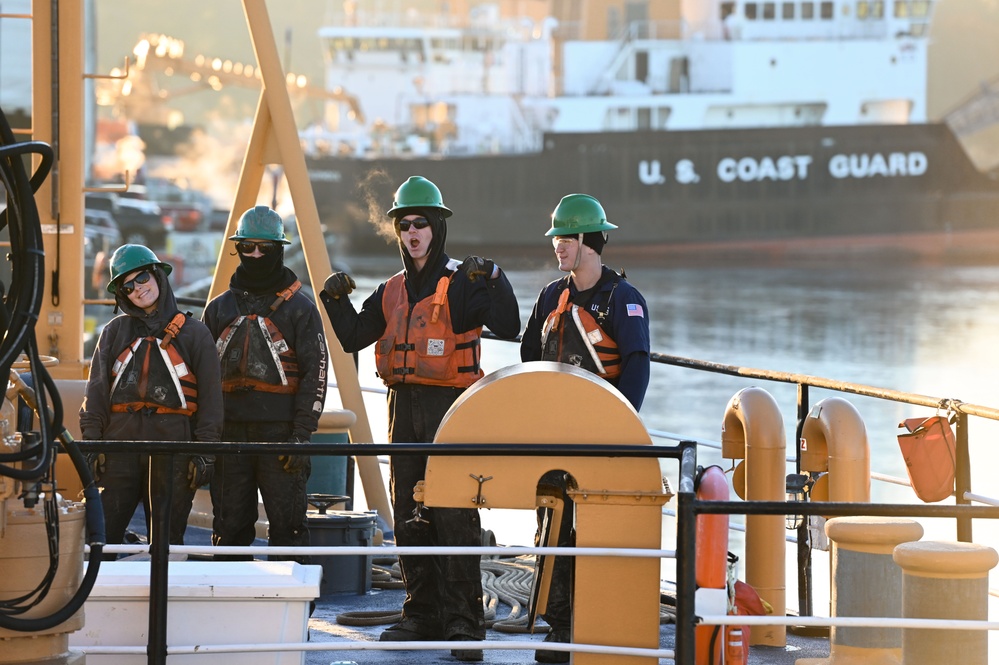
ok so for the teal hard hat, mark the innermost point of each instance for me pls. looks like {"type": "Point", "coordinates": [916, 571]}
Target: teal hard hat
{"type": "Point", "coordinates": [129, 258]}
{"type": "Point", "coordinates": [417, 192]}
{"type": "Point", "coordinates": [578, 213]}
{"type": "Point", "coordinates": [260, 223]}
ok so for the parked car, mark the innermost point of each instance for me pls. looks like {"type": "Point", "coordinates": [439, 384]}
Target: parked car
{"type": "Point", "coordinates": [189, 209]}
{"type": "Point", "coordinates": [141, 222]}
{"type": "Point", "coordinates": [101, 236]}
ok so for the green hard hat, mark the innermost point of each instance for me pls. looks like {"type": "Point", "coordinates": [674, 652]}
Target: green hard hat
{"type": "Point", "coordinates": [578, 213]}
{"type": "Point", "coordinates": [260, 223]}
{"type": "Point", "coordinates": [417, 192]}
{"type": "Point", "coordinates": [129, 258]}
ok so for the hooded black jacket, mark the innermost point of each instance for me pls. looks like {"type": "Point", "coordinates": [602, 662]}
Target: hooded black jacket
{"type": "Point", "coordinates": [195, 345]}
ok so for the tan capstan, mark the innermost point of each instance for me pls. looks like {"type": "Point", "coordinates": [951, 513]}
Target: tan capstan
{"type": "Point", "coordinates": [618, 501]}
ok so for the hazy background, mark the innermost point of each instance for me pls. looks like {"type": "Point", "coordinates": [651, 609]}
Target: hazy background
{"type": "Point", "coordinates": [964, 51]}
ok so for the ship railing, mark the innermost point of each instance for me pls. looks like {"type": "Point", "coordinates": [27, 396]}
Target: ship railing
{"type": "Point", "coordinates": [688, 509]}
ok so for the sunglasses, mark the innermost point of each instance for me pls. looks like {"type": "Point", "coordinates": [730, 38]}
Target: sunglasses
{"type": "Point", "coordinates": [127, 287]}
{"type": "Point", "coordinates": [418, 223]}
{"type": "Point", "coordinates": [247, 247]}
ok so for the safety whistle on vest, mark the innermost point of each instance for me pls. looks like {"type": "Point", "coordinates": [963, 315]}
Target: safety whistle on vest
{"type": "Point", "coordinates": [440, 297]}
{"type": "Point", "coordinates": [285, 295]}
{"type": "Point", "coordinates": [563, 303]}
{"type": "Point", "coordinates": [172, 329]}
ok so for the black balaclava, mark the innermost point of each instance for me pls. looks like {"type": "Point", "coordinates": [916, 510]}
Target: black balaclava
{"type": "Point", "coordinates": [595, 240]}
{"type": "Point", "coordinates": [261, 274]}
{"type": "Point", "coordinates": [417, 282]}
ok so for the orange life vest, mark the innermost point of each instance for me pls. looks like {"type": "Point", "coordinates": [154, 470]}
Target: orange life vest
{"type": "Point", "coordinates": [419, 345]}
{"type": "Point", "coordinates": [275, 366]}
{"type": "Point", "coordinates": [573, 336]}
{"type": "Point", "coordinates": [150, 374]}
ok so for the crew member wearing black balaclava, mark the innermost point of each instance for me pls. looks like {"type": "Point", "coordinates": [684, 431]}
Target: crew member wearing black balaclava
{"type": "Point", "coordinates": [274, 385]}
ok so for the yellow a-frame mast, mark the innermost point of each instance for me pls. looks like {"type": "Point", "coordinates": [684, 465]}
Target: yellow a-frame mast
{"type": "Point", "coordinates": [275, 140]}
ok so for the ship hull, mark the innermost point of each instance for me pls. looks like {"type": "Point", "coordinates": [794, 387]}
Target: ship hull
{"type": "Point", "coordinates": [903, 188]}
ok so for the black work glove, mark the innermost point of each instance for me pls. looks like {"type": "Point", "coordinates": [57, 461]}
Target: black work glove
{"type": "Point", "coordinates": [339, 284]}
{"type": "Point", "coordinates": [476, 266]}
{"type": "Point", "coordinates": [98, 465]}
{"type": "Point", "coordinates": [200, 470]}
{"type": "Point", "coordinates": [294, 463]}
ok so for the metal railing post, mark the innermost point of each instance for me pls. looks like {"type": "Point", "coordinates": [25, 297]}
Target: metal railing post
{"type": "Point", "coordinates": [160, 496]}
{"type": "Point", "coordinates": [686, 541]}
{"type": "Point", "coordinates": [962, 475]}
{"type": "Point", "coordinates": [803, 546]}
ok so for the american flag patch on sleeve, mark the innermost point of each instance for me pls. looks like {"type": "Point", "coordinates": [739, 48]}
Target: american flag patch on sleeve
{"type": "Point", "coordinates": [635, 310]}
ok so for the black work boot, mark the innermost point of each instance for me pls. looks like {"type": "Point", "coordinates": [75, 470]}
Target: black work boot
{"type": "Point", "coordinates": [467, 655]}
{"type": "Point", "coordinates": [549, 655]}
{"type": "Point", "coordinates": [408, 631]}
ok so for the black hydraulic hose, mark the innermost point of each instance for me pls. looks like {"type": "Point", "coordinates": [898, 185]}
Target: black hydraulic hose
{"type": "Point", "coordinates": [22, 308]}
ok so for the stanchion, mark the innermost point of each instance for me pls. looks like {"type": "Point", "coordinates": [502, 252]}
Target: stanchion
{"type": "Point", "coordinates": [866, 583]}
{"type": "Point", "coordinates": [945, 580]}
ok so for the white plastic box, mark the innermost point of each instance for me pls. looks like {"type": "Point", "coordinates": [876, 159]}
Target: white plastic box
{"type": "Point", "coordinates": [210, 602]}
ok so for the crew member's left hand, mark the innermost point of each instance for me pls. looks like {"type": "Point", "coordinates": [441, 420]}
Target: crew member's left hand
{"type": "Point", "coordinates": [200, 470]}
{"type": "Point", "coordinates": [293, 463]}
{"type": "Point", "coordinates": [476, 266]}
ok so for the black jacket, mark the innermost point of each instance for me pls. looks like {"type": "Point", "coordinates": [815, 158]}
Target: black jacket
{"type": "Point", "coordinates": [194, 344]}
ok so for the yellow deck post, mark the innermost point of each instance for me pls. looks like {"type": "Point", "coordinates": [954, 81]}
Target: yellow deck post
{"type": "Point", "coordinates": [275, 140]}
{"type": "Point", "coordinates": [753, 430]}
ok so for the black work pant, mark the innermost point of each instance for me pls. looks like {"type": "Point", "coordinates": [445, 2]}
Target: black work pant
{"type": "Point", "coordinates": [238, 478]}
{"type": "Point", "coordinates": [559, 611]}
{"type": "Point", "coordinates": [125, 484]}
{"type": "Point", "coordinates": [443, 593]}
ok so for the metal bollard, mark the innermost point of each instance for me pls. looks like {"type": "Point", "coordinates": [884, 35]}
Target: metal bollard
{"type": "Point", "coordinates": [945, 580]}
{"type": "Point", "coordinates": [866, 583]}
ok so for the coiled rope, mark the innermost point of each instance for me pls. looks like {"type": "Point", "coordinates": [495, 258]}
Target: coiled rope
{"type": "Point", "coordinates": [505, 581]}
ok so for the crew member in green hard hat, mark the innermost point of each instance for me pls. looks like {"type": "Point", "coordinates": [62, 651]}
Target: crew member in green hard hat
{"type": "Point", "coordinates": [273, 354]}
{"type": "Point", "coordinates": [427, 321]}
{"type": "Point", "coordinates": [595, 319]}
{"type": "Point", "coordinates": [154, 376]}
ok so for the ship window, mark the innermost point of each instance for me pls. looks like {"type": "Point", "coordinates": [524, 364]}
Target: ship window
{"type": "Point", "coordinates": [644, 118]}
{"type": "Point", "coordinates": [787, 11]}
{"type": "Point", "coordinates": [901, 8]}
{"type": "Point", "coordinates": [863, 9]}
{"type": "Point", "coordinates": [878, 9]}
{"type": "Point", "coordinates": [920, 8]}
{"type": "Point", "coordinates": [826, 10]}
{"type": "Point", "coordinates": [808, 10]}
{"type": "Point", "coordinates": [727, 9]}
{"type": "Point", "coordinates": [769, 11]}
{"type": "Point", "coordinates": [751, 11]}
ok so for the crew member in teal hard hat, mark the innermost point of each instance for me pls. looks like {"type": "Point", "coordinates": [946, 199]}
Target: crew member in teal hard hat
{"type": "Point", "coordinates": [272, 350]}
{"type": "Point", "coordinates": [427, 355]}
{"type": "Point", "coordinates": [154, 376]}
{"type": "Point", "coordinates": [595, 319]}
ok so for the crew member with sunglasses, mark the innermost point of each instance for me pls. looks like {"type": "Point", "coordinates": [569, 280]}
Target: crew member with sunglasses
{"type": "Point", "coordinates": [595, 319]}
{"type": "Point", "coordinates": [154, 377]}
{"type": "Point", "coordinates": [272, 350]}
{"type": "Point", "coordinates": [426, 322]}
